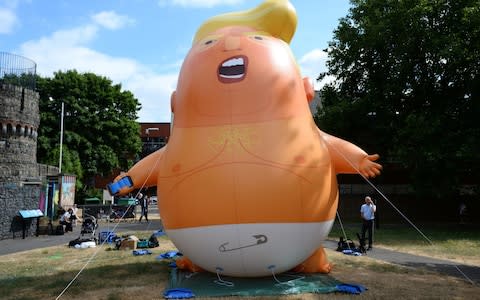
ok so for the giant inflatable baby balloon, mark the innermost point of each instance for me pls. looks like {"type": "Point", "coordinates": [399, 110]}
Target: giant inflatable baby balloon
{"type": "Point", "coordinates": [247, 183]}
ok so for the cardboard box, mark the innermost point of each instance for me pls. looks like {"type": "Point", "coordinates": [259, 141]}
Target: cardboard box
{"type": "Point", "coordinates": [129, 243]}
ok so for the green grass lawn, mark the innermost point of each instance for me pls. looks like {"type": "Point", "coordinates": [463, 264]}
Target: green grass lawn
{"type": "Point", "coordinates": [112, 274]}
{"type": "Point", "coordinates": [447, 241]}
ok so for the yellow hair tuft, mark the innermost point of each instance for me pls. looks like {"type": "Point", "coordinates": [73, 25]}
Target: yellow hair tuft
{"type": "Point", "coordinates": [277, 17]}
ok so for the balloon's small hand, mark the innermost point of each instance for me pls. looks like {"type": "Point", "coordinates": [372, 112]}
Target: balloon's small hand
{"type": "Point", "coordinates": [368, 167]}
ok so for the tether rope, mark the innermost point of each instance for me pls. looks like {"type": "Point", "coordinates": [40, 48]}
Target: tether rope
{"type": "Point", "coordinates": [343, 230]}
{"type": "Point", "coordinates": [389, 202]}
{"type": "Point", "coordinates": [118, 223]}
{"type": "Point", "coordinates": [295, 277]}
{"type": "Point", "coordinates": [220, 281]}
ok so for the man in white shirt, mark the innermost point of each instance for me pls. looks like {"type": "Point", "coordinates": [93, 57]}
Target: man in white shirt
{"type": "Point", "coordinates": [367, 212]}
{"type": "Point", "coordinates": [65, 219]}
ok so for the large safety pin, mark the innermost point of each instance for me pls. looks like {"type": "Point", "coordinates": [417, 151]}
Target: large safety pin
{"type": "Point", "coordinates": [261, 239]}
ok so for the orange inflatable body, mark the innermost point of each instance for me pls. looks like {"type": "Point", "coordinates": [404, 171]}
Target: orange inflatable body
{"type": "Point", "coordinates": [247, 183]}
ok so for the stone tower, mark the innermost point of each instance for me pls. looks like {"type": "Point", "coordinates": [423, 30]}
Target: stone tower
{"type": "Point", "coordinates": [21, 182]}
{"type": "Point", "coordinates": [19, 119]}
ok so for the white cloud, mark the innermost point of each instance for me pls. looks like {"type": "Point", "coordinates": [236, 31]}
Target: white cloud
{"type": "Point", "coordinates": [158, 89]}
{"type": "Point", "coordinates": [199, 3]}
{"type": "Point", "coordinates": [66, 57]}
{"type": "Point", "coordinates": [8, 21]}
{"type": "Point", "coordinates": [312, 64]}
{"type": "Point", "coordinates": [112, 20]}
{"type": "Point", "coordinates": [71, 37]}
{"type": "Point", "coordinates": [68, 49]}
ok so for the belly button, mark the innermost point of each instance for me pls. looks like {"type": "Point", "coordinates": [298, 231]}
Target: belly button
{"type": "Point", "coordinates": [299, 159]}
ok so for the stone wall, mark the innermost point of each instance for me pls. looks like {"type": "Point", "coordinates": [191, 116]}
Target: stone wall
{"type": "Point", "coordinates": [20, 104]}
{"type": "Point", "coordinates": [19, 121]}
{"type": "Point", "coordinates": [21, 178]}
{"type": "Point", "coordinates": [15, 197]}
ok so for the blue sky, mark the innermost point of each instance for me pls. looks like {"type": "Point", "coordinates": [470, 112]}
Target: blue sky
{"type": "Point", "coordinates": [141, 43]}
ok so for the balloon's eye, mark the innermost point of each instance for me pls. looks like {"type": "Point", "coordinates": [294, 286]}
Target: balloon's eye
{"type": "Point", "coordinates": [259, 38]}
{"type": "Point", "coordinates": [210, 42]}
{"type": "Point", "coordinates": [207, 43]}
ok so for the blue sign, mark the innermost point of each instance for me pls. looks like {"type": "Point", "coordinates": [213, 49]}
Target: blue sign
{"type": "Point", "coordinates": [33, 213]}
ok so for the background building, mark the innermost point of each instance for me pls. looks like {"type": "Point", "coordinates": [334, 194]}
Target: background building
{"type": "Point", "coordinates": [154, 136]}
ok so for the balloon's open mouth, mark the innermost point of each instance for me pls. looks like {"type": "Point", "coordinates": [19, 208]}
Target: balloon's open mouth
{"type": "Point", "coordinates": [233, 69]}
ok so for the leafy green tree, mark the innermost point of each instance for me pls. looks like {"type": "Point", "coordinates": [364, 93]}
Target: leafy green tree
{"type": "Point", "coordinates": [100, 128]}
{"type": "Point", "coordinates": [408, 86]}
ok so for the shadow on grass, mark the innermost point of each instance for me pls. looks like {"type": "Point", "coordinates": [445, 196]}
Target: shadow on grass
{"type": "Point", "coordinates": [472, 273]}
{"type": "Point", "coordinates": [400, 233]}
{"type": "Point", "coordinates": [91, 279]}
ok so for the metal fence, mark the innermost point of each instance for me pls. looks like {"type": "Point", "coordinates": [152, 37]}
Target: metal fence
{"type": "Point", "coordinates": [17, 70]}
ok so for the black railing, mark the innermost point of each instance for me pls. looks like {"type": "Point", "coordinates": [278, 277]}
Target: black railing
{"type": "Point", "coordinates": [17, 70]}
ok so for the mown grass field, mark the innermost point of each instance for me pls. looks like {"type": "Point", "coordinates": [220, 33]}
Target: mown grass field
{"type": "Point", "coordinates": [446, 241]}
{"type": "Point", "coordinates": [102, 273]}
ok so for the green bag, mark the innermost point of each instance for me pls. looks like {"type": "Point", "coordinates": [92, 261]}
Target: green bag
{"type": "Point", "coordinates": [142, 243]}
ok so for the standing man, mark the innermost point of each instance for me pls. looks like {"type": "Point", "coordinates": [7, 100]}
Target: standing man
{"type": "Point", "coordinates": [144, 206]}
{"type": "Point", "coordinates": [367, 212]}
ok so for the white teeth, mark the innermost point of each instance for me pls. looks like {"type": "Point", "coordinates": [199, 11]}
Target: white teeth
{"type": "Point", "coordinates": [233, 62]}
{"type": "Point", "coordinates": [231, 76]}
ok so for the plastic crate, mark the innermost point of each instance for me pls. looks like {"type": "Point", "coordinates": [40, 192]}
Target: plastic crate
{"type": "Point", "coordinates": [107, 236]}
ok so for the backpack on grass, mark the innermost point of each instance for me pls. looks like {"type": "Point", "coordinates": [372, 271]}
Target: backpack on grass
{"type": "Point", "coordinates": [347, 244]}
{"type": "Point", "coordinates": [153, 241]}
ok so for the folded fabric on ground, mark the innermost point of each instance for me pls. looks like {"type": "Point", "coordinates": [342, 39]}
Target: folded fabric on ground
{"type": "Point", "coordinates": [159, 232]}
{"type": "Point", "coordinates": [141, 252]}
{"type": "Point", "coordinates": [169, 254]}
{"type": "Point", "coordinates": [179, 293]}
{"type": "Point", "coordinates": [351, 288]}
{"type": "Point", "coordinates": [85, 245]}
{"type": "Point", "coordinates": [206, 284]}
{"type": "Point", "coordinates": [351, 252]}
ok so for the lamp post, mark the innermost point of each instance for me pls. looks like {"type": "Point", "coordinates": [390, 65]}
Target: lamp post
{"type": "Point", "coordinates": [61, 141]}
{"type": "Point", "coordinates": [61, 138]}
